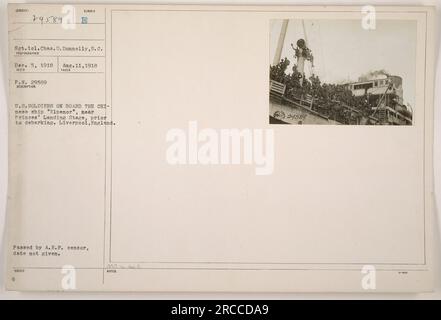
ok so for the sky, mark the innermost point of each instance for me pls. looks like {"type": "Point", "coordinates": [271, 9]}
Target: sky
{"type": "Point", "coordinates": [343, 50]}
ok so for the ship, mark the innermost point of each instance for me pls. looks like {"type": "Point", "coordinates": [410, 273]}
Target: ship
{"type": "Point", "coordinates": [384, 96]}
{"type": "Point", "coordinates": [387, 93]}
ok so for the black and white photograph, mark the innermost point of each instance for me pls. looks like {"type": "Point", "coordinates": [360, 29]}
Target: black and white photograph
{"type": "Point", "coordinates": [342, 72]}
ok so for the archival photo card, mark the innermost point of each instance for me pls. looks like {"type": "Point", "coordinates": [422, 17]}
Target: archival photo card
{"type": "Point", "coordinates": [142, 156]}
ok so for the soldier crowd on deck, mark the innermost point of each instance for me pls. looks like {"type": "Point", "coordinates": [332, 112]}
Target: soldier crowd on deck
{"type": "Point", "coordinates": [334, 101]}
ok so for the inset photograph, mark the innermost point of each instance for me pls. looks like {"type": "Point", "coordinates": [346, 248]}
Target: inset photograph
{"type": "Point", "coordinates": [339, 72]}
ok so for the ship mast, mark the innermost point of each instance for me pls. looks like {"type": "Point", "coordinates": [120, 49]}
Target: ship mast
{"type": "Point", "coordinates": [280, 42]}
{"type": "Point", "coordinates": [303, 54]}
